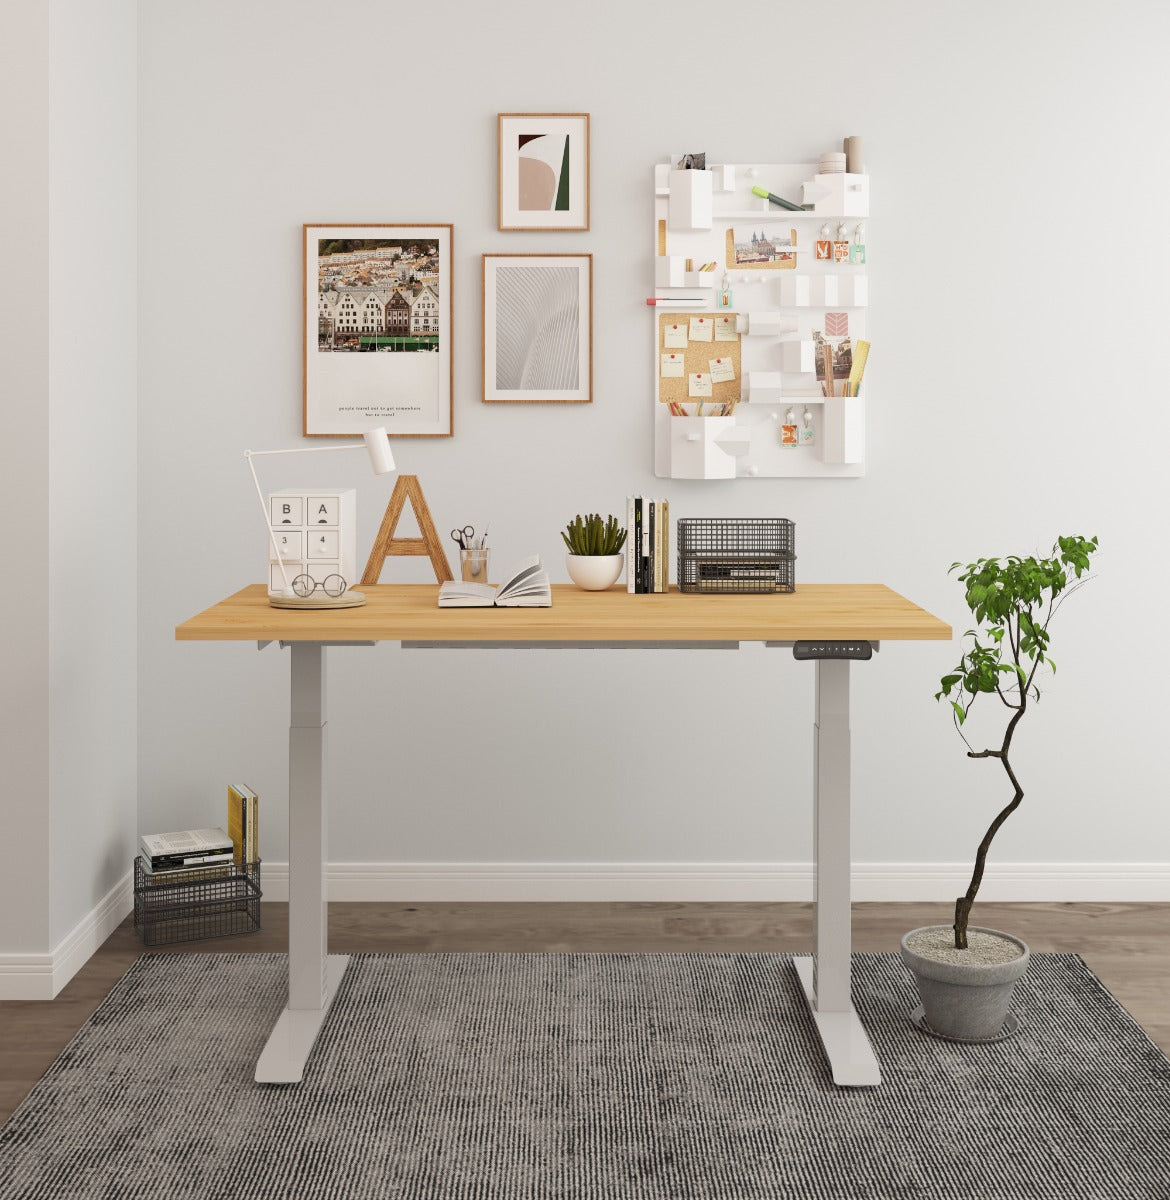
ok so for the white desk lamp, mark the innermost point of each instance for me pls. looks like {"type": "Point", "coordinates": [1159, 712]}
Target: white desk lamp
{"type": "Point", "coordinates": [377, 443]}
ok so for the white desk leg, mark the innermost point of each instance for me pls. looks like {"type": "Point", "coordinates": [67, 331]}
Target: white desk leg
{"type": "Point", "coordinates": [825, 977]}
{"type": "Point", "coordinates": [313, 974]}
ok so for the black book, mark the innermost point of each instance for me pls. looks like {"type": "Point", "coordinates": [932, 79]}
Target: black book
{"type": "Point", "coordinates": [650, 555]}
{"type": "Point", "coordinates": [639, 578]}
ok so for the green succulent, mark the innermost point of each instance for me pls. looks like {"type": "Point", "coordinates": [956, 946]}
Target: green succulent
{"type": "Point", "coordinates": [593, 536]}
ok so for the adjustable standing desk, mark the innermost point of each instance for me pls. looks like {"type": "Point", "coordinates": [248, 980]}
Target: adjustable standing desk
{"type": "Point", "coordinates": [614, 619]}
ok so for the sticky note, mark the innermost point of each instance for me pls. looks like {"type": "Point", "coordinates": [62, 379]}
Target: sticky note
{"type": "Point", "coordinates": [674, 337]}
{"type": "Point", "coordinates": [725, 329]}
{"type": "Point", "coordinates": [702, 329]}
{"type": "Point", "coordinates": [672, 365]}
{"type": "Point", "coordinates": [722, 370]}
{"type": "Point", "coordinates": [699, 385]}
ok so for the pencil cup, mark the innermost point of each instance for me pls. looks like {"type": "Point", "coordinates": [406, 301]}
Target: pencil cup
{"type": "Point", "coordinates": [473, 566]}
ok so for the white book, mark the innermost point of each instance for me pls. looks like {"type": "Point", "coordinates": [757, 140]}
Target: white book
{"type": "Point", "coordinates": [527, 586]}
{"type": "Point", "coordinates": [185, 845]}
{"type": "Point", "coordinates": [220, 861]}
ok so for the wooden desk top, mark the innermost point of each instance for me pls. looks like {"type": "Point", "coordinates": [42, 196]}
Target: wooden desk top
{"type": "Point", "coordinates": [410, 612]}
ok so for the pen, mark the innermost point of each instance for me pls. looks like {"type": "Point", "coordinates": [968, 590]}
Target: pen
{"type": "Point", "coordinates": [767, 195]}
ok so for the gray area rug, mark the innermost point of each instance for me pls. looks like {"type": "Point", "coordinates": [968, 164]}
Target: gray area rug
{"type": "Point", "coordinates": [599, 1076]}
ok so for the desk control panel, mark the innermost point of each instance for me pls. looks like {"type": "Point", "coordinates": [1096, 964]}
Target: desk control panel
{"type": "Point", "coordinates": [803, 651]}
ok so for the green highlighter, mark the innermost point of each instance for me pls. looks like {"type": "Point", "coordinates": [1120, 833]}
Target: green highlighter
{"type": "Point", "coordinates": [767, 195]}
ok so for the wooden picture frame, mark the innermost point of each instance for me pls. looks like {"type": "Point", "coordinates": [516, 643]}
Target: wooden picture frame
{"type": "Point", "coordinates": [538, 328]}
{"type": "Point", "coordinates": [543, 181]}
{"type": "Point", "coordinates": [377, 330]}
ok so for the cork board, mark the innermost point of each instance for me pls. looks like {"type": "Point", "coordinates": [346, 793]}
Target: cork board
{"type": "Point", "coordinates": [781, 262]}
{"type": "Point", "coordinates": [697, 358]}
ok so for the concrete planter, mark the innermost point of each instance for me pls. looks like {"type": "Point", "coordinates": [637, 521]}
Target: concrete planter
{"type": "Point", "coordinates": [967, 1002]}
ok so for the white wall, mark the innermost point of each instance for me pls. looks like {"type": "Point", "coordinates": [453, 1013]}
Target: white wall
{"type": "Point", "coordinates": [1018, 314]}
{"type": "Point", "coordinates": [24, 461]}
{"type": "Point", "coordinates": [93, 569]}
{"type": "Point", "coordinates": [68, 736]}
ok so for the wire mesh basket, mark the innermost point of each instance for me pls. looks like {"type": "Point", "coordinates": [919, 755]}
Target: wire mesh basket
{"type": "Point", "coordinates": [736, 554]}
{"type": "Point", "coordinates": [207, 902]}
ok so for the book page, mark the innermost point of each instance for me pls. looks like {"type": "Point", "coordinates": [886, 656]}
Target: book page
{"type": "Point", "coordinates": [519, 575]}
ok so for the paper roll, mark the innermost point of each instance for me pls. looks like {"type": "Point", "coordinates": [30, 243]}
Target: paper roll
{"type": "Point", "coordinates": [853, 159]}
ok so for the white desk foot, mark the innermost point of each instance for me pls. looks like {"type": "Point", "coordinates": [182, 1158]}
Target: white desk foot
{"type": "Point", "coordinates": [283, 1058]}
{"type": "Point", "coordinates": [851, 1057]}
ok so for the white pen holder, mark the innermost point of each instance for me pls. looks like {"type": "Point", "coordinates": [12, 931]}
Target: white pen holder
{"type": "Point", "coordinates": [695, 452]}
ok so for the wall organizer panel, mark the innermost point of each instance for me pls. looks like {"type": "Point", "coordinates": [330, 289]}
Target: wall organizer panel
{"type": "Point", "coordinates": [783, 290]}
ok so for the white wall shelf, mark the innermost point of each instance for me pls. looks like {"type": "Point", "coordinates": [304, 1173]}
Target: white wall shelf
{"type": "Point", "coordinates": [780, 316]}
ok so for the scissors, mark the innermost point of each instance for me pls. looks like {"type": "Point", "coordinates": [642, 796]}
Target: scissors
{"type": "Point", "coordinates": [464, 536]}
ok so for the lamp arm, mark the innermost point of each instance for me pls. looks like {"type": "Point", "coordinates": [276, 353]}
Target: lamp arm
{"type": "Point", "coordinates": [249, 455]}
{"type": "Point", "coordinates": [307, 449]}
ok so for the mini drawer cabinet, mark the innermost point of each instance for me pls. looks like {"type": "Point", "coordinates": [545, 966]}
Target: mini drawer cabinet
{"type": "Point", "coordinates": [315, 532]}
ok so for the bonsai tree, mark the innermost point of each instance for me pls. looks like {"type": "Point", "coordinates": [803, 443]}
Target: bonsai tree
{"type": "Point", "coordinates": [592, 536]}
{"type": "Point", "coordinates": [1013, 600]}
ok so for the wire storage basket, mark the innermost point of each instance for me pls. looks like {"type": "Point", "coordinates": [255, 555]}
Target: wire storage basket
{"type": "Point", "coordinates": [207, 902]}
{"type": "Point", "coordinates": [736, 554]}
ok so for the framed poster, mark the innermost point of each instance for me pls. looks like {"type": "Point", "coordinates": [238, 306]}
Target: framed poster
{"type": "Point", "coordinates": [537, 328]}
{"type": "Point", "coordinates": [377, 330]}
{"type": "Point", "coordinates": [544, 171]}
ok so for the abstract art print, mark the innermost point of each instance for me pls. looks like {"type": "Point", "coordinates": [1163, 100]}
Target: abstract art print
{"type": "Point", "coordinates": [538, 328]}
{"type": "Point", "coordinates": [544, 171]}
{"type": "Point", "coordinates": [377, 330]}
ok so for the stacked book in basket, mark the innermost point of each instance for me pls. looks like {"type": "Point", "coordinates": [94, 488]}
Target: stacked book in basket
{"type": "Point", "coordinates": [200, 883]}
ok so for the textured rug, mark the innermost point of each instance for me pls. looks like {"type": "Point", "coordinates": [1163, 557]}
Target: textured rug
{"type": "Point", "coordinates": [599, 1076]}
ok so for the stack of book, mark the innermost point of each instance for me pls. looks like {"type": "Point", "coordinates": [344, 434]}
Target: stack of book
{"type": "Point", "coordinates": [189, 850]}
{"type": "Point", "coordinates": [243, 824]}
{"type": "Point", "coordinates": [647, 545]}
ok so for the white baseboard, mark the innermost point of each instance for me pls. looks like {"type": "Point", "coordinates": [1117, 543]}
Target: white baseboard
{"type": "Point", "coordinates": [42, 976]}
{"type": "Point", "coordinates": [667, 882]}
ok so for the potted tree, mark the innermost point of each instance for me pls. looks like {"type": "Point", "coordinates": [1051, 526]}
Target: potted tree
{"type": "Point", "coordinates": [594, 560]}
{"type": "Point", "coordinates": [965, 974]}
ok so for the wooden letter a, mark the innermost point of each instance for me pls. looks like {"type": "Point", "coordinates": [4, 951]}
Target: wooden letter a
{"type": "Point", "coordinates": [386, 544]}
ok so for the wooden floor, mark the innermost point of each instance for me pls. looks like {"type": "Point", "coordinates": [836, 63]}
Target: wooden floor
{"type": "Point", "coordinates": [1126, 945]}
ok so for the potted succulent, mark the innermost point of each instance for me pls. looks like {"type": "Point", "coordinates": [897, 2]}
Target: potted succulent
{"type": "Point", "coordinates": [595, 560]}
{"type": "Point", "coordinates": [966, 974]}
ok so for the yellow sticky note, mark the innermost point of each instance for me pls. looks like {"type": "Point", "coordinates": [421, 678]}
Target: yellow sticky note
{"type": "Point", "coordinates": [699, 385]}
{"type": "Point", "coordinates": [722, 370]}
{"type": "Point", "coordinates": [674, 337]}
{"type": "Point", "coordinates": [702, 329]}
{"type": "Point", "coordinates": [672, 366]}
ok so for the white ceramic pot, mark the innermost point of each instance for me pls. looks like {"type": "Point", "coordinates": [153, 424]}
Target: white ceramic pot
{"type": "Point", "coordinates": [595, 572]}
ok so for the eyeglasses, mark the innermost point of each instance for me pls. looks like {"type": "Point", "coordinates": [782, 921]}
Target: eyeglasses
{"type": "Point", "coordinates": [331, 585]}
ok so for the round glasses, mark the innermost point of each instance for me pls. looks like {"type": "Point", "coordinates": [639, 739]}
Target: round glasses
{"type": "Point", "coordinates": [331, 585]}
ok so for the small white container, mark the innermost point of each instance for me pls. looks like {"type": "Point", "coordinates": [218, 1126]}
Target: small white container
{"type": "Point", "coordinates": [695, 452]}
{"type": "Point", "coordinates": [670, 270]}
{"type": "Point", "coordinates": [689, 206]}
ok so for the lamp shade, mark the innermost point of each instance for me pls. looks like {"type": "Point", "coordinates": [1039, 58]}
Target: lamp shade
{"type": "Point", "coordinates": [378, 444]}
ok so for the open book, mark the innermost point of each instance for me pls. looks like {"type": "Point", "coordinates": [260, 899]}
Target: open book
{"type": "Point", "coordinates": [527, 586]}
